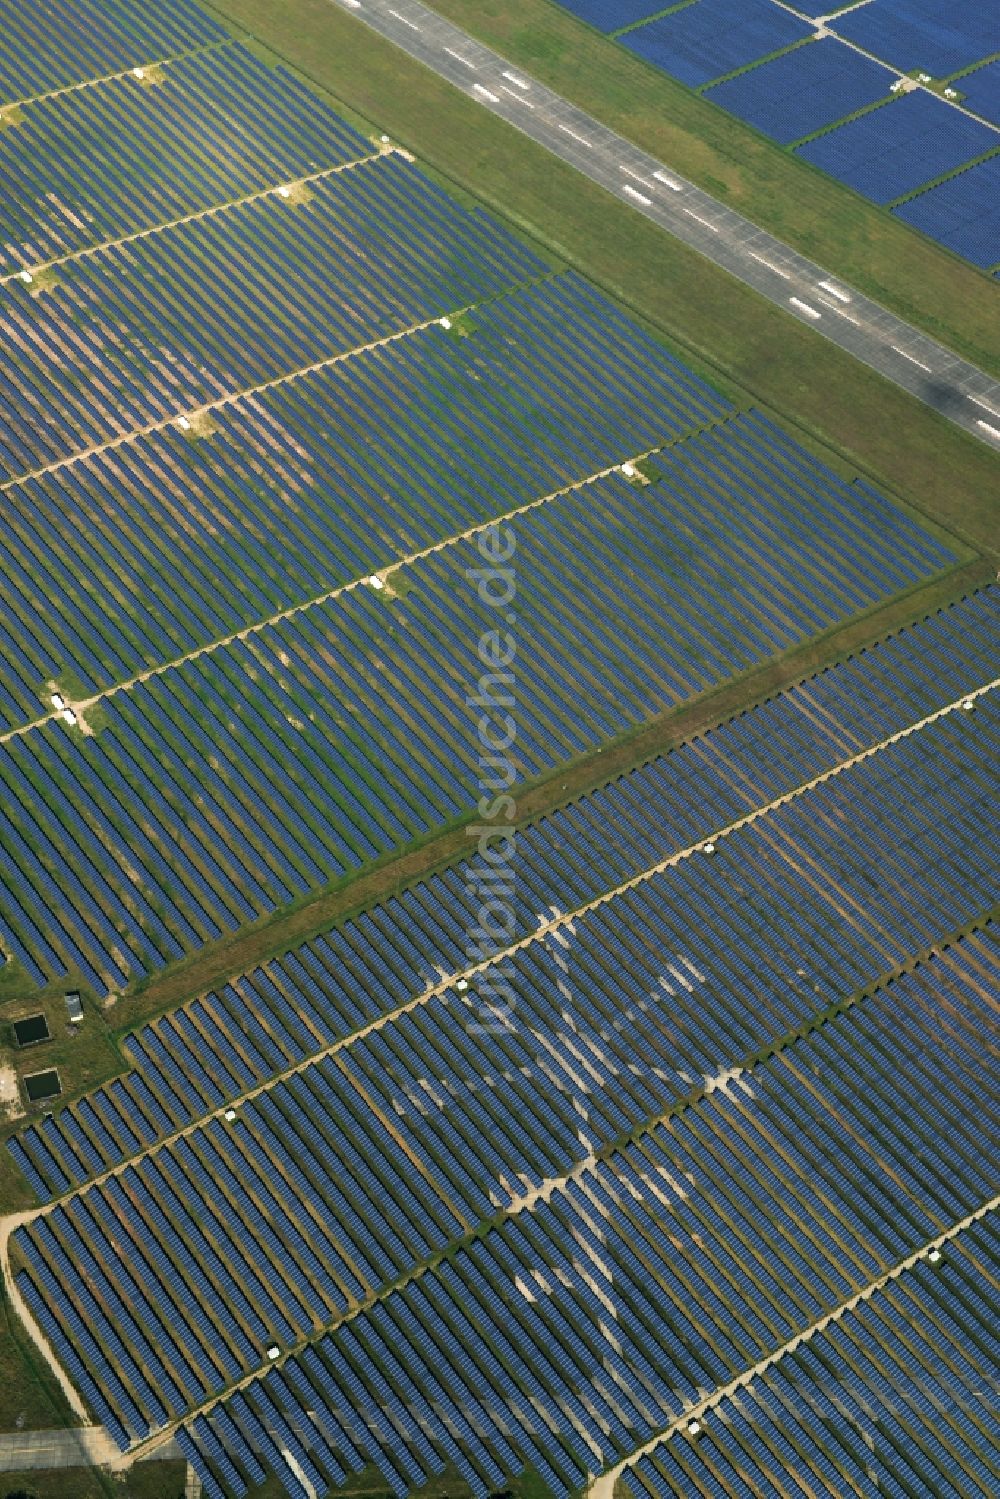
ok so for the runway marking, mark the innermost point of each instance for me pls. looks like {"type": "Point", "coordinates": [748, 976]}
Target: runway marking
{"type": "Point", "coordinates": [804, 307]}
{"type": "Point", "coordinates": [518, 82]}
{"type": "Point", "coordinates": [994, 433]}
{"type": "Point", "coordinates": [639, 197]}
{"type": "Point", "coordinates": [486, 93]}
{"type": "Point", "coordinates": [912, 358]}
{"type": "Point", "coordinates": [983, 406]}
{"type": "Point", "coordinates": [582, 139]}
{"type": "Point", "coordinates": [519, 97]}
{"type": "Point", "coordinates": [835, 291]}
{"type": "Point", "coordinates": [634, 175]}
{"type": "Point", "coordinates": [405, 20]}
{"type": "Point", "coordinates": [463, 60]}
{"type": "Point", "coordinates": [785, 275]}
{"type": "Point", "coordinates": [714, 227]}
{"type": "Point", "coordinates": [675, 187]}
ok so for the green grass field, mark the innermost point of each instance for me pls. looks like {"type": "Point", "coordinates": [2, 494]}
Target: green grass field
{"type": "Point", "coordinates": [153, 1480]}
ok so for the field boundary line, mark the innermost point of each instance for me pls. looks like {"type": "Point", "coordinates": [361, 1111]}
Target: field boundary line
{"type": "Point", "coordinates": [602, 1487]}
{"type": "Point", "coordinates": [38, 266]}
{"type": "Point", "coordinates": [543, 930]}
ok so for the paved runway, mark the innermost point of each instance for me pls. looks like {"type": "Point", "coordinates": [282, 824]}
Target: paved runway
{"type": "Point", "coordinates": [63, 1447]}
{"type": "Point", "coordinates": [959, 390]}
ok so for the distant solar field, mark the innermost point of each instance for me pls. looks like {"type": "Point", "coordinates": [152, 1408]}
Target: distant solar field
{"type": "Point", "coordinates": [982, 91]}
{"type": "Point", "coordinates": [805, 90]}
{"type": "Point", "coordinates": [935, 35]}
{"type": "Point", "coordinates": [802, 73]}
{"type": "Point", "coordinates": [891, 151]}
{"type": "Point", "coordinates": [710, 38]}
{"type": "Point", "coordinates": [963, 212]}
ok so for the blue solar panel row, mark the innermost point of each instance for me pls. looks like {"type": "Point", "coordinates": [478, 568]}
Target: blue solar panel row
{"type": "Point", "coordinates": [271, 1018]}
{"type": "Point", "coordinates": [711, 37]}
{"type": "Point", "coordinates": [982, 91]}
{"type": "Point", "coordinates": [145, 331]}
{"type": "Point", "coordinates": [58, 44]}
{"type": "Point", "coordinates": [804, 90]}
{"type": "Point", "coordinates": [696, 1228]}
{"type": "Point", "coordinates": [897, 148]}
{"type": "Point", "coordinates": [938, 36]}
{"type": "Point", "coordinates": [124, 518]}
{"type": "Point", "coordinates": [564, 1336]}
{"type": "Point", "coordinates": [893, 1398]}
{"type": "Point", "coordinates": [67, 181]}
{"type": "Point", "coordinates": [963, 213]}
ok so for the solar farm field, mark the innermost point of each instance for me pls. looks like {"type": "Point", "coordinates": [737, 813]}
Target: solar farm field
{"type": "Point", "coordinates": [241, 558]}
{"type": "Point", "coordinates": [709, 1122]}
{"type": "Point", "coordinates": [382, 1210]}
{"type": "Point", "coordinates": [891, 97]}
{"type": "Point", "coordinates": [189, 792]}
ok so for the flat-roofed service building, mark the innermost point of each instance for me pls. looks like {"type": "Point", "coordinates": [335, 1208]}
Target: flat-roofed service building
{"type": "Point", "coordinates": [40, 1085]}
{"type": "Point", "coordinates": [31, 1030]}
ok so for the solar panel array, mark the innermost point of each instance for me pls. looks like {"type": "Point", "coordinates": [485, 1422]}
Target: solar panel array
{"type": "Point", "coordinates": [895, 149]}
{"type": "Point", "coordinates": [805, 90]}
{"type": "Point", "coordinates": [564, 1337]}
{"type": "Point", "coordinates": [935, 35]}
{"type": "Point", "coordinates": [840, 1412]}
{"type": "Point", "coordinates": [57, 47]}
{"type": "Point", "coordinates": [346, 1212]}
{"type": "Point", "coordinates": [798, 72]}
{"type": "Point", "coordinates": [69, 181]}
{"type": "Point", "coordinates": [761, 1193]}
{"type": "Point", "coordinates": [434, 433]}
{"type": "Point", "coordinates": [230, 784]}
{"type": "Point", "coordinates": [963, 213]}
{"type": "Point", "coordinates": [982, 91]}
{"type": "Point", "coordinates": [710, 38]}
{"type": "Point", "coordinates": [270, 1020]}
